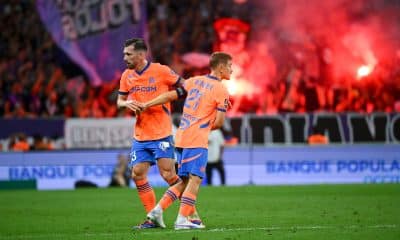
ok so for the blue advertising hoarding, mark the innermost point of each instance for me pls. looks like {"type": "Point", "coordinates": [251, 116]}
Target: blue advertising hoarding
{"type": "Point", "coordinates": [244, 165]}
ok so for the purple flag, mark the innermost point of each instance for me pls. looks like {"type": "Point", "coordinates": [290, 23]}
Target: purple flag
{"type": "Point", "coordinates": [92, 32]}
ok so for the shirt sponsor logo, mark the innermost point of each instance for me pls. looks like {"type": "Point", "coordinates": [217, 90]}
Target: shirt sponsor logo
{"type": "Point", "coordinates": [145, 89]}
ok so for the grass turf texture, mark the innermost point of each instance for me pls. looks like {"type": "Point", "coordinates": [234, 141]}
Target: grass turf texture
{"type": "Point", "coordinates": [248, 212]}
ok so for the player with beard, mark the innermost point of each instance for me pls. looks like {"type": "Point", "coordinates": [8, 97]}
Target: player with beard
{"type": "Point", "coordinates": [152, 141]}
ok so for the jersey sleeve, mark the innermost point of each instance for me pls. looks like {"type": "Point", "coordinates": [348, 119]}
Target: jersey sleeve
{"type": "Point", "coordinates": [181, 92]}
{"type": "Point", "coordinates": [187, 84]}
{"type": "Point", "coordinates": [170, 77]}
{"type": "Point", "coordinates": [222, 98]}
{"type": "Point", "coordinates": [123, 84]}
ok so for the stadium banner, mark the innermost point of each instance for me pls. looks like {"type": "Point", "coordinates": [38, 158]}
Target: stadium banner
{"type": "Point", "coordinates": [334, 164]}
{"type": "Point", "coordinates": [292, 128]}
{"type": "Point", "coordinates": [65, 170]}
{"type": "Point", "coordinates": [357, 164]}
{"type": "Point", "coordinates": [92, 133]}
{"type": "Point", "coordinates": [52, 128]}
{"type": "Point", "coordinates": [92, 33]}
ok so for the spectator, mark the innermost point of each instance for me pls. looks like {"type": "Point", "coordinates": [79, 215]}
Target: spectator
{"type": "Point", "coordinates": [317, 137]}
{"type": "Point", "coordinates": [20, 143]}
{"type": "Point", "coordinates": [35, 83]}
{"type": "Point", "coordinates": [39, 143]}
{"type": "Point", "coordinates": [215, 152]}
{"type": "Point", "coordinates": [121, 174]}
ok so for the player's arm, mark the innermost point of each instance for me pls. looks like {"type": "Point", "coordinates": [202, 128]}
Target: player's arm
{"type": "Point", "coordinates": [178, 83]}
{"type": "Point", "coordinates": [219, 120]}
{"type": "Point", "coordinates": [172, 79]}
{"type": "Point", "coordinates": [131, 104]}
{"type": "Point", "coordinates": [222, 99]}
{"type": "Point", "coordinates": [123, 93]}
{"type": "Point", "coordinates": [166, 97]}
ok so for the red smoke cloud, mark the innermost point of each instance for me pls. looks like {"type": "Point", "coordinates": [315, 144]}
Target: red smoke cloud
{"type": "Point", "coordinates": [329, 39]}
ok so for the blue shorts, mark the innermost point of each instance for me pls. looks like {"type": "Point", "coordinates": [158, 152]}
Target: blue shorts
{"type": "Point", "coordinates": [151, 151]}
{"type": "Point", "coordinates": [192, 161]}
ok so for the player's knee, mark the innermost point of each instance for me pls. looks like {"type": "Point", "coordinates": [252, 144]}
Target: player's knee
{"type": "Point", "coordinates": [196, 179]}
{"type": "Point", "coordinates": [133, 176]}
{"type": "Point", "coordinates": [185, 180]}
{"type": "Point", "coordinates": [137, 174]}
{"type": "Point", "coordinates": [167, 175]}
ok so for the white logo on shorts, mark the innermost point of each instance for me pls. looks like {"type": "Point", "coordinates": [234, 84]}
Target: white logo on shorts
{"type": "Point", "coordinates": [133, 156]}
{"type": "Point", "coordinates": [164, 145]}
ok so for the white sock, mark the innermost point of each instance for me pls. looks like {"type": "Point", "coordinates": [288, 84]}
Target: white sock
{"type": "Point", "coordinates": [180, 218]}
{"type": "Point", "coordinates": [158, 208]}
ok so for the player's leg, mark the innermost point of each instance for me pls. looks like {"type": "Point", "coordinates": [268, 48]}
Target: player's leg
{"type": "Point", "coordinates": [194, 162]}
{"type": "Point", "coordinates": [166, 167]}
{"type": "Point", "coordinates": [188, 203]}
{"type": "Point", "coordinates": [141, 160]}
{"type": "Point", "coordinates": [163, 151]}
{"type": "Point", "coordinates": [175, 191]}
{"type": "Point", "coordinates": [172, 194]}
{"type": "Point", "coordinates": [145, 191]}
{"type": "Point", "coordinates": [184, 175]}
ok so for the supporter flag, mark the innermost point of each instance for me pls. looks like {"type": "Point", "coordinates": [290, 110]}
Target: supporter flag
{"type": "Point", "coordinates": [92, 33]}
{"type": "Point", "coordinates": [232, 35]}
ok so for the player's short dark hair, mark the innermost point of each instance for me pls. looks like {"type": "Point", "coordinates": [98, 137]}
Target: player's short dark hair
{"type": "Point", "coordinates": [218, 58]}
{"type": "Point", "coordinates": [137, 43]}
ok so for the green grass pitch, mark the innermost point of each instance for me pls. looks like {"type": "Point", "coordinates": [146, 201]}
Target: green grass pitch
{"type": "Point", "coordinates": [248, 212]}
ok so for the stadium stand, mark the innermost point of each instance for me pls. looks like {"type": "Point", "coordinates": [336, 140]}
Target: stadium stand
{"type": "Point", "coordinates": [37, 80]}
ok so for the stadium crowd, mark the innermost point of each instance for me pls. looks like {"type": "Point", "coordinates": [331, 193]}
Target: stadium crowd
{"type": "Point", "coordinates": [38, 80]}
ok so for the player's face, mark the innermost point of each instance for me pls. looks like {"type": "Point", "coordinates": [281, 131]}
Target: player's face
{"type": "Point", "coordinates": [132, 58]}
{"type": "Point", "coordinates": [226, 70]}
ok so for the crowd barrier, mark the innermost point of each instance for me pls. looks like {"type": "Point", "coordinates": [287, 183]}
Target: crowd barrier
{"type": "Point", "coordinates": [290, 128]}
{"type": "Point", "coordinates": [45, 126]}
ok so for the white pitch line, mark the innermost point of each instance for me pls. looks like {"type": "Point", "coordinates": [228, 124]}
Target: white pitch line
{"type": "Point", "coordinates": [381, 226]}
{"type": "Point", "coordinates": [151, 232]}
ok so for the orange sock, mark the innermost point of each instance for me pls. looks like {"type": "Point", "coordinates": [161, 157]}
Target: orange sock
{"type": "Point", "coordinates": [188, 202]}
{"type": "Point", "coordinates": [192, 211]}
{"type": "Point", "coordinates": [146, 194]}
{"type": "Point", "coordinates": [169, 197]}
{"type": "Point", "coordinates": [173, 180]}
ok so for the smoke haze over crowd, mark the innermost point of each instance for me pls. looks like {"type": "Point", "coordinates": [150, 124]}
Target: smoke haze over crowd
{"type": "Point", "coordinates": [335, 36]}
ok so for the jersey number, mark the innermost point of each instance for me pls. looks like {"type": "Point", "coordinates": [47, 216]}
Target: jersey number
{"type": "Point", "coordinates": [193, 99]}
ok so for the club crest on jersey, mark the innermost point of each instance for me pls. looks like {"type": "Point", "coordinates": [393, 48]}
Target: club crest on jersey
{"type": "Point", "coordinates": [151, 80]}
{"type": "Point", "coordinates": [164, 145]}
{"type": "Point", "coordinates": [226, 103]}
{"type": "Point", "coordinates": [130, 78]}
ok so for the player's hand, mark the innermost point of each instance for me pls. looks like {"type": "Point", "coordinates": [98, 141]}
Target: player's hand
{"type": "Point", "coordinates": [135, 106]}
{"type": "Point", "coordinates": [229, 104]}
{"type": "Point", "coordinates": [145, 106]}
